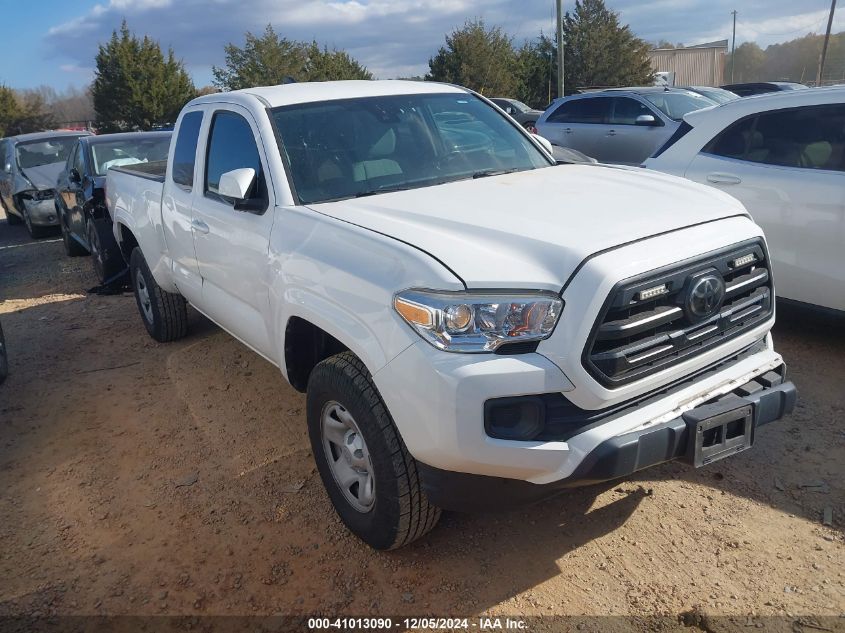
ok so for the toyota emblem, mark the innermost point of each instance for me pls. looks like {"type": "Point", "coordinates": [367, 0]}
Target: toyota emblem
{"type": "Point", "coordinates": [705, 296]}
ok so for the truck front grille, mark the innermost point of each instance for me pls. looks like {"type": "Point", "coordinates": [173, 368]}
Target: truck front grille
{"type": "Point", "coordinates": [651, 322]}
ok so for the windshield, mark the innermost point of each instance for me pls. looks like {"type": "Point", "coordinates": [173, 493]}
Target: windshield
{"type": "Point", "coordinates": [718, 95]}
{"type": "Point", "coordinates": [128, 152]}
{"type": "Point", "coordinates": [676, 104]}
{"type": "Point", "coordinates": [44, 152]}
{"type": "Point", "coordinates": [355, 147]}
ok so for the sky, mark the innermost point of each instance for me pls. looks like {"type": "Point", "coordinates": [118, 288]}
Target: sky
{"type": "Point", "coordinates": [54, 42]}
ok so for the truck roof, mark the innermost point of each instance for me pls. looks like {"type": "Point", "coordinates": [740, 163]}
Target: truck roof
{"type": "Point", "coordinates": [306, 92]}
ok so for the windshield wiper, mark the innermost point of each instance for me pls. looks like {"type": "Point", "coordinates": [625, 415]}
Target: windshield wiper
{"type": "Point", "coordinates": [493, 172]}
{"type": "Point", "coordinates": [378, 190]}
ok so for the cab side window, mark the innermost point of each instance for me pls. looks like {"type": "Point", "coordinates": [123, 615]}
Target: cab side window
{"type": "Point", "coordinates": [185, 153]}
{"type": "Point", "coordinates": [231, 145]}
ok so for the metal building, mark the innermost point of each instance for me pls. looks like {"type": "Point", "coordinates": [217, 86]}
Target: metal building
{"type": "Point", "coordinates": [701, 65]}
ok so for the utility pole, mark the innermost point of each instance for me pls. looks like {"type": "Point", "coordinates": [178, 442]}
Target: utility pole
{"type": "Point", "coordinates": [560, 91]}
{"type": "Point", "coordinates": [824, 46]}
{"type": "Point", "coordinates": [733, 47]}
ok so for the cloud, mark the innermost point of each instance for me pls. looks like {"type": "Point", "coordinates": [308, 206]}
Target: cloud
{"type": "Point", "coordinates": [397, 37]}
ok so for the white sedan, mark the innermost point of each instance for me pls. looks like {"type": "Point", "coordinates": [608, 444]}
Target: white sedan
{"type": "Point", "coordinates": [783, 156]}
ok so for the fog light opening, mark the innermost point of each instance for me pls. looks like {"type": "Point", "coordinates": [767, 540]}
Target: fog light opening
{"type": "Point", "coordinates": [515, 418]}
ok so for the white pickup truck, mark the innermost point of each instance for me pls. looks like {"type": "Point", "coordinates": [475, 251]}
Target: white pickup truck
{"type": "Point", "coordinates": [474, 324]}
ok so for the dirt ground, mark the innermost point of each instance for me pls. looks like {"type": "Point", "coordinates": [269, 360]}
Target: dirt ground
{"type": "Point", "coordinates": [140, 478]}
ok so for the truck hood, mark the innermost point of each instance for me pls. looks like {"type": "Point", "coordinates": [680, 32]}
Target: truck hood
{"type": "Point", "coordinates": [532, 229]}
{"type": "Point", "coordinates": [44, 176]}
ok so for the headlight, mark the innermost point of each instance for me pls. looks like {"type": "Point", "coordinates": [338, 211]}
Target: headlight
{"type": "Point", "coordinates": [473, 323]}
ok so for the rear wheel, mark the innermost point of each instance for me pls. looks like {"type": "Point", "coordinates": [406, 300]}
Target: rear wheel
{"type": "Point", "coordinates": [105, 252]}
{"type": "Point", "coordinates": [165, 315]}
{"type": "Point", "coordinates": [72, 247]}
{"type": "Point", "coordinates": [368, 473]}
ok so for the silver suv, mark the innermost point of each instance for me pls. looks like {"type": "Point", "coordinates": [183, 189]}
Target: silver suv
{"type": "Point", "coordinates": [619, 125]}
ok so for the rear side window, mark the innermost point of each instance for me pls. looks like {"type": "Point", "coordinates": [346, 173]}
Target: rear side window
{"type": "Point", "coordinates": [805, 138]}
{"type": "Point", "coordinates": [231, 145]}
{"type": "Point", "coordinates": [589, 110]}
{"type": "Point", "coordinates": [185, 154]}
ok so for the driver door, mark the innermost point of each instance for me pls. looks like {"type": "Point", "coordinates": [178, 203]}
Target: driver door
{"type": "Point", "coordinates": [232, 245]}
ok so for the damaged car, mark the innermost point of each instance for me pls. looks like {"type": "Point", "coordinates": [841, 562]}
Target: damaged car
{"type": "Point", "coordinates": [31, 164]}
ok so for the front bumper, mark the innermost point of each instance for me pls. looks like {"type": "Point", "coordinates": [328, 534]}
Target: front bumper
{"type": "Point", "coordinates": [41, 212]}
{"type": "Point", "coordinates": [769, 395]}
{"type": "Point", "coordinates": [437, 401]}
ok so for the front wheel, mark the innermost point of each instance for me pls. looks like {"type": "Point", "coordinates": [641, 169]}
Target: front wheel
{"type": "Point", "coordinates": [165, 315]}
{"type": "Point", "coordinates": [370, 476]}
{"type": "Point", "coordinates": [35, 231]}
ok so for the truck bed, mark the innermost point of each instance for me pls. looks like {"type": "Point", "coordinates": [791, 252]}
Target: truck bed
{"type": "Point", "coordinates": [154, 170]}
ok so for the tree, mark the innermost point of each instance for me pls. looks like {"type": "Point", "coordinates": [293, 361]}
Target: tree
{"type": "Point", "coordinates": [136, 86]}
{"type": "Point", "coordinates": [599, 51]}
{"type": "Point", "coordinates": [749, 60]}
{"type": "Point", "coordinates": [536, 71]}
{"type": "Point", "coordinates": [23, 112]}
{"type": "Point", "coordinates": [270, 59]}
{"type": "Point", "coordinates": [480, 58]}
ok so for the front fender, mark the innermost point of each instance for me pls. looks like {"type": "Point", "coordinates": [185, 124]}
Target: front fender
{"type": "Point", "coordinates": [341, 278]}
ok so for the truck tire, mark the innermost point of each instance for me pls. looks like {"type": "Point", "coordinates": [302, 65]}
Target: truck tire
{"type": "Point", "coordinates": [105, 252]}
{"type": "Point", "coordinates": [72, 247]}
{"type": "Point", "coordinates": [165, 315]}
{"type": "Point", "coordinates": [366, 469]}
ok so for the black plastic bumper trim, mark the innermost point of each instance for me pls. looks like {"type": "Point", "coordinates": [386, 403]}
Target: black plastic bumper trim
{"type": "Point", "coordinates": [616, 457]}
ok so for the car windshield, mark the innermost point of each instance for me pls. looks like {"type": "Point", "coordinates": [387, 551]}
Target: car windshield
{"type": "Point", "coordinates": [676, 104]}
{"type": "Point", "coordinates": [365, 146]}
{"type": "Point", "coordinates": [44, 151]}
{"type": "Point", "coordinates": [106, 154]}
{"type": "Point", "coordinates": [718, 94]}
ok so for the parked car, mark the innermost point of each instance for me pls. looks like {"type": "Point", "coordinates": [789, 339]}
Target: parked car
{"type": "Point", "coordinates": [783, 156]}
{"type": "Point", "coordinates": [719, 95]}
{"type": "Point", "coordinates": [621, 126]}
{"type": "Point", "coordinates": [474, 325]}
{"type": "Point", "coordinates": [763, 87]}
{"type": "Point", "coordinates": [31, 163]}
{"type": "Point", "coordinates": [80, 201]}
{"type": "Point", "coordinates": [4, 357]}
{"type": "Point", "coordinates": [525, 115]}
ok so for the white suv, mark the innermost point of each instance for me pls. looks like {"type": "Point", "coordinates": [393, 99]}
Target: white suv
{"type": "Point", "coordinates": [783, 156]}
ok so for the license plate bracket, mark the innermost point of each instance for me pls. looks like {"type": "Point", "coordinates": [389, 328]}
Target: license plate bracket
{"type": "Point", "coordinates": [719, 430]}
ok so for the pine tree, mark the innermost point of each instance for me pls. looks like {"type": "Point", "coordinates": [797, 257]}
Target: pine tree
{"type": "Point", "coordinates": [270, 59]}
{"type": "Point", "coordinates": [599, 51]}
{"type": "Point", "coordinates": [136, 86]}
{"type": "Point", "coordinates": [480, 58]}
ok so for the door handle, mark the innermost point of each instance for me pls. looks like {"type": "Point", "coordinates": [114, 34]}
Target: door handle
{"type": "Point", "coordinates": [612, 133]}
{"type": "Point", "coordinates": [567, 130]}
{"type": "Point", "coordinates": [723, 179]}
{"type": "Point", "coordinates": [199, 226]}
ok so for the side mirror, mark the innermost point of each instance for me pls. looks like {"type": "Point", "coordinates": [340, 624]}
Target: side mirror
{"type": "Point", "coordinates": [647, 119]}
{"type": "Point", "coordinates": [74, 175]}
{"type": "Point", "coordinates": [544, 143]}
{"type": "Point", "coordinates": [237, 184]}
